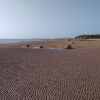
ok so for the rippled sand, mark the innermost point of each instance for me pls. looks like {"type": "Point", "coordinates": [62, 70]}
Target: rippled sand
{"type": "Point", "coordinates": [46, 74]}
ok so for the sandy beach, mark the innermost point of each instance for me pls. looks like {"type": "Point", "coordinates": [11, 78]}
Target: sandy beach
{"type": "Point", "coordinates": [50, 74]}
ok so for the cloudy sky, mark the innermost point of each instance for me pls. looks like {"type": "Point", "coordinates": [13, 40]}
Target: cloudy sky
{"type": "Point", "coordinates": [48, 18]}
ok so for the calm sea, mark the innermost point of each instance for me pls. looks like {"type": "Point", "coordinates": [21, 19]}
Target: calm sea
{"type": "Point", "coordinates": [8, 41]}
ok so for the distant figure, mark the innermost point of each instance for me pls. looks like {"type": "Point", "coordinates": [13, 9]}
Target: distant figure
{"type": "Point", "coordinates": [69, 39]}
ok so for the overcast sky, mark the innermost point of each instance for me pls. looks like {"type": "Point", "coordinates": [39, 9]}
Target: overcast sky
{"type": "Point", "coordinates": [48, 18]}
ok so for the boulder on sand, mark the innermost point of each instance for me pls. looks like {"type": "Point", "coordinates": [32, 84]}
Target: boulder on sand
{"type": "Point", "coordinates": [27, 45]}
{"type": "Point", "coordinates": [69, 46]}
{"type": "Point", "coordinates": [41, 46]}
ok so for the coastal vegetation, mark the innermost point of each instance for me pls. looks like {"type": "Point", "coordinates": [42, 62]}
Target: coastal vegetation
{"type": "Point", "coordinates": [86, 36]}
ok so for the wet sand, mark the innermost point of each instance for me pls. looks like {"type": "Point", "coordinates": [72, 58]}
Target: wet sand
{"type": "Point", "coordinates": [50, 74]}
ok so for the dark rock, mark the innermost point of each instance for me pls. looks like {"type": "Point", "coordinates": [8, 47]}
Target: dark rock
{"type": "Point", "coordinates": [68, 47]}
{"type": "Point", "coordinates": [41, 46]}
{"type": "Point", "coordinates": [27, 45]}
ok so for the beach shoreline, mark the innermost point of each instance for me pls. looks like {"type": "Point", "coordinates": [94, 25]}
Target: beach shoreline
{"type": "Point", "coordinates": [27, 73]}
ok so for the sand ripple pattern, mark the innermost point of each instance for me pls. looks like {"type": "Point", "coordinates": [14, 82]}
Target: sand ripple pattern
{"type": "Point", "coordinates": [27, 74]}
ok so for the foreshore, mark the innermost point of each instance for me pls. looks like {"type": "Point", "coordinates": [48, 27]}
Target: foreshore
{"type": "Point", "coordinates": [27, 73]}
{"type": "Point", "coordinates": [54, 43]}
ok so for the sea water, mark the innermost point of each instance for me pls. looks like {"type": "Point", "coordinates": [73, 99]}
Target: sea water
{"type": "Point", "coordinates": [8, 41]}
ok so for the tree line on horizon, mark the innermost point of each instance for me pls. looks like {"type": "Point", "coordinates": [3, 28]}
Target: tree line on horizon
{"type": "Point", "coordinates": [86, 36]}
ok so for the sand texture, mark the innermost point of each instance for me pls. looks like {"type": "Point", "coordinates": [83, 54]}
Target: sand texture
{"type": "Point", "coordinates": [50, 74]}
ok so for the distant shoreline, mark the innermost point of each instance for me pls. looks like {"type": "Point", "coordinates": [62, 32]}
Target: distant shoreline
{"type": "Point", "coordinates": [13, 41]}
